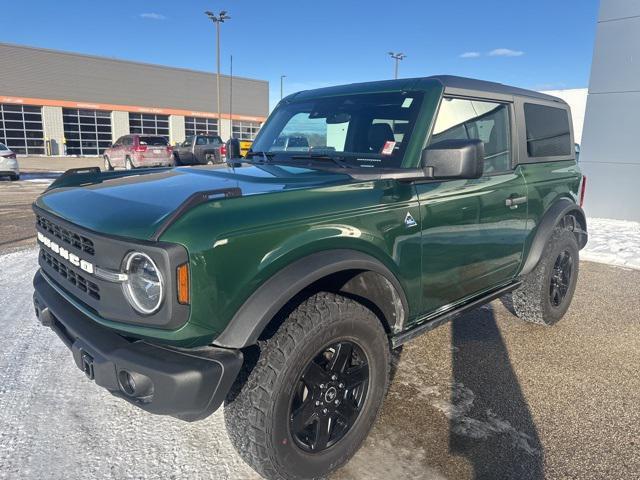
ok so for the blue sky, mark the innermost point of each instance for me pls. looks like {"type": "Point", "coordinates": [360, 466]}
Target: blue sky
{"type": "Point", "coordinates": [545, 44]}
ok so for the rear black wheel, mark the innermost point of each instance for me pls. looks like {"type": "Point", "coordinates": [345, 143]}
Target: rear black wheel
{"type": "Point", "coordinates": [313, 395]}
{"type": "Point", "coordinates": [547, 291]}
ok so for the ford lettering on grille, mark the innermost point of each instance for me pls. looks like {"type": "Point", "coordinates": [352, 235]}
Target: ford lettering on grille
{"type": "Point", "coordinates": [62, 252]}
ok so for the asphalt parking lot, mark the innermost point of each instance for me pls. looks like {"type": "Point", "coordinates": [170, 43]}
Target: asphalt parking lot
{"type": "Point", "coordinates": [485, 396]}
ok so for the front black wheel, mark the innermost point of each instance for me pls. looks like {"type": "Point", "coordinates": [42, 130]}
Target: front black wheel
{"type": "Point", "coordinates": [311, 399]}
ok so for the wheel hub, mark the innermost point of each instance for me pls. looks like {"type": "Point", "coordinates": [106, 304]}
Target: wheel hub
{"type": "Point", "coordinates": [560, 278]}
{"type": "Point", "coordinates": [329, 396]}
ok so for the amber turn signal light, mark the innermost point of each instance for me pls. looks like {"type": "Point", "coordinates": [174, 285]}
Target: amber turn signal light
{"type": "Point", "coordinates": [183, 284]}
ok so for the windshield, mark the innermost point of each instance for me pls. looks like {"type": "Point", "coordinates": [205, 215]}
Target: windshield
{"type": "Point", "coordinates": [3, 147]}
{"type": "Point", "coordinates": [202, 140]}
{"type": "Point", "coordinates": [153, 141]}
{"type": "Point", "coordinates": [363, 130]}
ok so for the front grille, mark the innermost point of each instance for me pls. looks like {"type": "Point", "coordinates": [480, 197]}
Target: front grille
{"type": "Point", "coordinates": [80, 282]}
{"type": "Point", "coordinates": [79, 242]}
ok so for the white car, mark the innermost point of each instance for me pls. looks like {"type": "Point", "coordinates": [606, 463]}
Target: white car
{"type": "Point", "coordinates": [8, 163]}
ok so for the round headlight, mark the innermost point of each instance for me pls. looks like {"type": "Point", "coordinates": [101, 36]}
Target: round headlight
{"type": "Point", "coordinates": [144, 287]}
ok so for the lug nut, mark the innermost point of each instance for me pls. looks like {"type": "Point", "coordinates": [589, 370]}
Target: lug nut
{"type": "Point", "coordinates": [325, 411]}
{"type": "Point", "coordinates": [317, 403]}
{"type": "Point", "coordinates": [334, 377]}
{"type": "Point", "coordinates": [341, 385]}
{"type": "Point", "coordinates": [337, 402]}
{"type": "Point", "coordinates": [322, 386]}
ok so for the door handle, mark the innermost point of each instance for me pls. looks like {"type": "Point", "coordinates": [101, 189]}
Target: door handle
{"type": "Point", "coordinates": [513, 202]}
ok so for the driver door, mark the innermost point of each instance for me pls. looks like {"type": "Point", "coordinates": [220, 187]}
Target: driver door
{"type": "Point", "coordinates": [472, 241]}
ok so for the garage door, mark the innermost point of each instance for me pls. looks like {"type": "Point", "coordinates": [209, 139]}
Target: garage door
{"type": "Point", "coordinates": [245, 130]}
{"type": "Point", "coordinates": [87, 132]}
{"type": "Point", "coordinates": [21, 128]}
{"type": "Point", "coordinates": [200, 126]}
{"type": "Point", "coordinates": [149, 124]}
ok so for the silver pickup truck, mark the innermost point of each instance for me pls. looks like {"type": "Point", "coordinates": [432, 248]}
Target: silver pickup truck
{"type": "Point", "coordinates": [199, 150]}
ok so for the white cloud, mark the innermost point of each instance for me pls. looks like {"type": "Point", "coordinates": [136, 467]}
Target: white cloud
{"type": "Point", "coordinates": [470, 55]}
{"type": "Point", "coordinates": [153, 16]}
{"type": "Point", "coordinates": [505, 52]}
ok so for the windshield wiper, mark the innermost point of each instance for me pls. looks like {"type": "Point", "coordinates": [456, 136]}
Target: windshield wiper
{"type": "Point", "coordinates": [265, 157]}
{"type": "Point", "coordinates": [338, 160]}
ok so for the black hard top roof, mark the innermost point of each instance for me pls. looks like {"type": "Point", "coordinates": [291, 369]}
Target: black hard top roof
{"type": "Point", "coordinates": [451, 81]}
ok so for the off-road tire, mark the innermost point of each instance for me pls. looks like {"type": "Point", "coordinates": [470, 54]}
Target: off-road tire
{"type": "Point", "coordinates": [107, 164]}
{"type": "Point", "coordinates": [257, 408]}
{"type": "Point", "coordinates": [532, 301]}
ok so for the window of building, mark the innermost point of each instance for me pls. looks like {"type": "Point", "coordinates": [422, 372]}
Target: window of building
{"type": "Point", "coordinates": [149, 124]}
{"type": "Point", "coordinates": [87, 132]}
{"type": "Point", "coordinates": [200, 126]}
{"type": "Point", "coordinates": [21, 129]}
{"type": "Point", "coordinates": [548, 131]}
{"type": "Point", "coordinates": [245, 130]}
{"type": "Point", "coordinates": [471, 119]}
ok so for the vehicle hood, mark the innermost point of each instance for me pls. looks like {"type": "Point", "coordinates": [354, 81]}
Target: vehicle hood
{"type": "Point", "coordinates": [137, 205]}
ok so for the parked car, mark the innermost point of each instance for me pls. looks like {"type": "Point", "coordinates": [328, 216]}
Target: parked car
{"type": "Point", "coordinates": [134, 151]}
{"type": "Point", "coordinates": [288, 143]}
{"type": "Point", "coordinates": [8, 163]}
{"type": "Point", "coordinates": [280, 287]}
{"type": "Point", "coordinates": [200, 150]}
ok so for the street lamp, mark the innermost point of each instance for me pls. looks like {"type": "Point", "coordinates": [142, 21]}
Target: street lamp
{"type": "Point", "coordinates": [282, 77]}
{"type": "Point", "coordinates": [218, 19]}
{"type": "Point", "coordinates": [397, 57]}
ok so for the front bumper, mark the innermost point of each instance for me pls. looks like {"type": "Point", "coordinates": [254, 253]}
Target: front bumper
{"type": "Point", "coordinates": [189, 384]}
{"type": "Point", "coordinates": [9, 166]}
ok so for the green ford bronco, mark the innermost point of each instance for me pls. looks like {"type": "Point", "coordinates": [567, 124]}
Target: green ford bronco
{"type": "Point", "coordinates": [281, 284]}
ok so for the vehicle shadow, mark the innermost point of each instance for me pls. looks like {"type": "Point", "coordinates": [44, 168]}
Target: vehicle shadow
{"type": "Point", "coordinates": [489, 420]}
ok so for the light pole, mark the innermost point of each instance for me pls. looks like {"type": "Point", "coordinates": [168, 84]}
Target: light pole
{"type": "Point", "coordinates": [282, 77]}
{"type": "Point", "coordinates": [230, 99]}
{"type": "Point", "coordinates": [397, 57]}
{"type": "Point", "coordinates": [218, 19]}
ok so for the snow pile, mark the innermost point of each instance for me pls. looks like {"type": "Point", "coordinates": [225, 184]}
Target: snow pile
{"type": "Point", "coordinates": [55, 423]}
{"type": "Point", "coordinates": [616, 242]}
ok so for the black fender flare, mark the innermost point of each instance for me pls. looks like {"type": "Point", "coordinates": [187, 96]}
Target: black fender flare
{"type": "Point", "coordinates": [551, 218]}
{"type": "Point", "coordinates": [263, 304]}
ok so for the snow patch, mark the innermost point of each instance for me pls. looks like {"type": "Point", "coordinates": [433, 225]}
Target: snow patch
{"type": "Point", "coordinates": [615, 242]}
{"type": "Point", "coordinates": [457, 410]}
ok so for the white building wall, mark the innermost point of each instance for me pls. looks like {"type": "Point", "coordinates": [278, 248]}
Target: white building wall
{"type": "Point", "coordinates": [225, 129]}
{"type": "Point", "coordinates": [609, 155]}
{"type": "Point", "coordinates": [119, 124]}
{"type": "Point", "coordinates": [577, 100]}
{"type": "Point", "coordinates": [53, 130]}
{"type": "Point", "coordinates": [176, 129]}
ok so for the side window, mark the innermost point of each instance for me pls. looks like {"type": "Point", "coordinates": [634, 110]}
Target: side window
{"type": "Point", "coordinates": [118, 142]}
{"type": "Point", "coordinates": [127, 141]}
{"type": "Point", "coordinates": [187, 142]}
{"type": "Point", "coordinates": [548, 131]}
{"type": "Point", "coordinates": [201, 141]}
{"type": "Point", "coordinates": [473, 119]}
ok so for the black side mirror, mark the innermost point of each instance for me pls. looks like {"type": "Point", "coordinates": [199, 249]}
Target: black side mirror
{"type": "Point", "coordinates": [233, 149]}
{"type": "Point", "coordinates": [451, 159]}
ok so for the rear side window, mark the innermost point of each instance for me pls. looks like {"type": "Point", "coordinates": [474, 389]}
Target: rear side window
{"type": "Point", "coordinates": [153, 141]}
{"type": "Point", "coordinates": [548, 131]}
